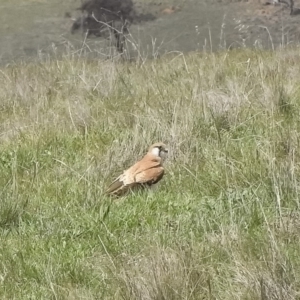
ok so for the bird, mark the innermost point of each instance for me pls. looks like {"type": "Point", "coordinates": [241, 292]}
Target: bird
{"type": "Point", "coordinates": [146, 172]}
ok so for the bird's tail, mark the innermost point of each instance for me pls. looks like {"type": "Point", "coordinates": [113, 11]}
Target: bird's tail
{"type": "Point", "coordinates": [115, 187]}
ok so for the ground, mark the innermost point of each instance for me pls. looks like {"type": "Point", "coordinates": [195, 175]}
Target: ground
{"type": "Point", "coordinates": [224, 221]}
{"type": "Point", "coordinates": [184, 26]}
{"type": "Point", "coordinates": [222, 224]}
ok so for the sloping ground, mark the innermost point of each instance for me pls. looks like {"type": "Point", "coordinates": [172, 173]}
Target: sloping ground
{"type": "Point", "coordinates": [39, 27]}
{"type": "Point", "coordinates": [261, 22]}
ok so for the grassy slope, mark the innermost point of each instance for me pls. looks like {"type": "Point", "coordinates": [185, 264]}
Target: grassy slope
{"type": "Point", "coordinates": [223, 224]}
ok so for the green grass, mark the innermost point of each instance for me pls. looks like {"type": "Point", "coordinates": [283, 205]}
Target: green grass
{"type": "Point", "coordinates": [222, 224]}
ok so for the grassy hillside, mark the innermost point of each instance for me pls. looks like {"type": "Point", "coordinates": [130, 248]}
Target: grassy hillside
{"type": "Point", "coordinates": [224, 222]}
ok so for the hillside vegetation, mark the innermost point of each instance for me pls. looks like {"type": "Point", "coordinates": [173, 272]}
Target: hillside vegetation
{"type": "Point", "coordinates": [223, 223]}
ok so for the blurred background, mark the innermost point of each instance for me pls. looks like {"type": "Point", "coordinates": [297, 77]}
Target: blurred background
{"type": "Point", "coordinates": [42, 28]}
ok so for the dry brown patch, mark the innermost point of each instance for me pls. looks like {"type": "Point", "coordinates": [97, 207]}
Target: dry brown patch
{"type": "Point", "coordinates": [170, 10]}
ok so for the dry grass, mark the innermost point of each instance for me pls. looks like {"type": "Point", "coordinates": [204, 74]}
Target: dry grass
{"type": "Point", "coordinates": [223, 223]}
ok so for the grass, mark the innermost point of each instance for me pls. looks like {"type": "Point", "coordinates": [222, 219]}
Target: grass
{"type": "Point", "coordinates": [223, 223]}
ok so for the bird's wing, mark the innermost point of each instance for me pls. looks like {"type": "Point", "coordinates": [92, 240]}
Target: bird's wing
{"type": "Point", "coordinates": [140, 171]}
{"type": "Point", "coordinates": [150, 176]}
{"type": "Point", "coordinates": [148, 162]}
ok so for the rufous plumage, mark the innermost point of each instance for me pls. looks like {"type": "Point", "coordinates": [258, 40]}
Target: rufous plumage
{"type": "Point", "coordinates": [145, 172]}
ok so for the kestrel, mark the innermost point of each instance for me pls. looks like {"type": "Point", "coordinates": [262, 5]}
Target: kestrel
{"type": "Point", "coordinates": [147, 171]}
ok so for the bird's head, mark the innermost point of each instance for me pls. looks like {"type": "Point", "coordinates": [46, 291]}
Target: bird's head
{"type": "Point", "coordinates": [159, 149]}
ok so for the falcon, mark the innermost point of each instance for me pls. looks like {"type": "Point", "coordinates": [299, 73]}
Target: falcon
{"type": "Point", "coordinates": [146, 172]}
